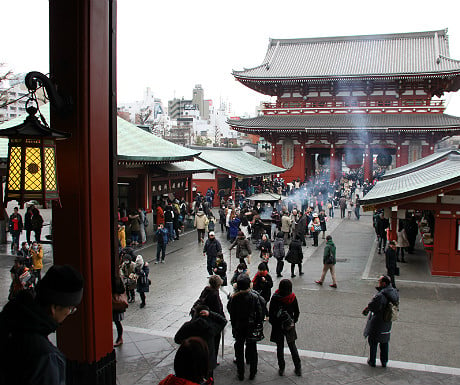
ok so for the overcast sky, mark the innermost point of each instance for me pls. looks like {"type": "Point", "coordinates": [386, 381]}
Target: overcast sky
{"type": "Point", "coordinates": [170, 46]}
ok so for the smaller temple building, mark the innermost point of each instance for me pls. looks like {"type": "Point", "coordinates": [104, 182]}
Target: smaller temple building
{"type": "Point", "coordinates": [429, 187]}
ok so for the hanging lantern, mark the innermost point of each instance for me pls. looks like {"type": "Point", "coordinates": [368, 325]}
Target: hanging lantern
{"type": "Point", "coordinates": [354, 158]}
{"type": "Point", "coordinates": [384, 159]}
{"type": "Point", "coordinates": [31, 168]}
{"type": "Point", "coordinates": [323, 159]}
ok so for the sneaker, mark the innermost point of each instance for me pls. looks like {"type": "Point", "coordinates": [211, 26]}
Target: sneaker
{"type": "Point", "coordinates": [162, 261]}
{"type": "Point", "coordinates": [301, 273]}
{"type": "Point", "coordinates": [319, 282]}
{"type": "Point", "coordinates": [156, 262]}
{"type": "Point", "coordinates": [333, 285]}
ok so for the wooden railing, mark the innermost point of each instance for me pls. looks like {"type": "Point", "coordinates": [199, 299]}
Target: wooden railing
{"type": "Point", "coordinates": [393, 106]}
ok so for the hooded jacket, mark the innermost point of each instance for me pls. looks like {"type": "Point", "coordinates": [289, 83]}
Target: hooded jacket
{"type": "Point", "coordinates": [200, 220]}
{"type": "Point", "coordinates": [27, 356]}
{"type": "Point", "coordinates": [376, 327]}
{"type": "Point", "coordinates": [329, 249]}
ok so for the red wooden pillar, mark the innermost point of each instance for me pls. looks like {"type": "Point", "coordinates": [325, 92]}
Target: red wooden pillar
{"type": "Point", "coordinates": [308, 163]}
{"type": "Point", "coordinates": [84, 233]}
{"type": "Point", "coordinates": [189, 196]}
{"type": "Point", "coordinates": [276, 154]}
{"type": "Point", "coordinates": [404, 155]}
{"type": "Point", "coordinates": [332, 164]}
{"type": "Point", "coordinates": [367, 163]}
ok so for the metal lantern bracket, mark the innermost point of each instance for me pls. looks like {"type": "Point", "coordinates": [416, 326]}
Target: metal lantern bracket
{"type": "Point", "coordinates": [61, 104]}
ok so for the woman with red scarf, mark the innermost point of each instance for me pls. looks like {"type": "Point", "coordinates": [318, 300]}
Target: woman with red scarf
{"type": "Point", "coordinates": [283, 315]}
{"type": "Point", "coordinates": [263, 282]}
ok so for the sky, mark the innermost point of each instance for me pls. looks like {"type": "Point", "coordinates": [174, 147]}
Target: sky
{"type": "Point", "coordinates": [170, 46]}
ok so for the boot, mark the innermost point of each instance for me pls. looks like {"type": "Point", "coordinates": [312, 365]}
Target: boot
{"type": "Point", "coordinates": [118, 342]}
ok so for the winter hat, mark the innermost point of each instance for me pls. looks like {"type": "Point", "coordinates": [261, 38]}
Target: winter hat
{"type": "Point", "coordinates": [139, 260]}
{"type": "Point", "coordinates": [61, 285]}
{"type": "Point", "coordinates": [243, 282]}
{"type": "Point", "coordinates": [212, 233]}
{"type": "Point", "coordinates": [315, 215]}
{"type": "Point", "coordinates": [280, 234]}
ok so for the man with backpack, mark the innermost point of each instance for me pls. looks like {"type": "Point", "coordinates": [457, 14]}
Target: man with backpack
{"type": "Point", "coordinates": [381, 315]}
{"type": "Point", "coordinates": [246, 309]}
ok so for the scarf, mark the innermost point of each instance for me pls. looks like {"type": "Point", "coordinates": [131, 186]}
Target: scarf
{"type": "Point", "coordinates": [259, 274]}
{"type": "Point", "coordinates": [288, 299]}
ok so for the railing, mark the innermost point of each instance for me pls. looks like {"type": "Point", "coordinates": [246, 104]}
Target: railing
{"type": "Point", "coordinates": [311, 107]}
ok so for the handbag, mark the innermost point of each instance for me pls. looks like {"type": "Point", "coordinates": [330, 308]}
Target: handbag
{"type": "Point", "coordinates": [119, 302]}
{"type": "Point", "coordinates": [316, 227]}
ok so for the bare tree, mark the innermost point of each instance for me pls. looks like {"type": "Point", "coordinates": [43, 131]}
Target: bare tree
{"type": "Point", "coordinates": [143, 115]}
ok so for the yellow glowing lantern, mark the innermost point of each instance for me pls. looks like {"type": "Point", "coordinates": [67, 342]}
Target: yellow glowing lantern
{"type": "Point", "coordinates": [32, 161]}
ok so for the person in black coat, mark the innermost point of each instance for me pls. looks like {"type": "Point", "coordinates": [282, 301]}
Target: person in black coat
{"type": "Point", "coordinates": [211, 249]}
{"type": "Point", "coordinates": [279, 253]}
{"type": "Point", "coordinates": [381, 226]}
{"type": "Point", "coordinates": [28, 222]}
{"type": "Point", "coordinates": [142, 271]}
{"type": "Point", "coordinates": [207, 325]}
{"type": "Point", "coordinates": [243, 305]}
{"type": "Point", "coordinates": [301, 228]}
{"type": "Point", "coordinates": [377, 329]}
{"type": "Point", "coordinates": [295, 255]}
{"type": "Point", "coordinates": [284, 299]}
{"type": "Point", "coordinates": [390, 262]}
{"type": "Point", "coordinates": [265, 247]}
{"type": "Point", "coordinates": [221, 269]}
{"type": "Point", "coordinates": [263, 282]}
{"type": "Point", "coordinates": [26, 355]}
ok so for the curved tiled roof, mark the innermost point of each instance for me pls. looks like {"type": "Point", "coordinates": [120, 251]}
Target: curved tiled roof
{"type": "Point", "coordinates": [414, 183]}
{"type": "Point", "coordinates": [420, 163]}
{"type": "Point", "coordinates": [343, 122]}
{"type": "Point", "coordinates": [133, 143]}
{"type": "Point", "coordinates": [392, 55]}
{"type": "Point", "coordinates": [238, 162]}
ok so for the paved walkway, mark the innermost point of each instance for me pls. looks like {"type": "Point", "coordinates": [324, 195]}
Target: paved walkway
{"type": "Point", "coordinates": [425, 346]}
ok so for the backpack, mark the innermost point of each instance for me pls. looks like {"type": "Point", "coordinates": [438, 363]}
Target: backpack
{"type": "Point", "coordinates": [285, 320]}
{"type": "Point", "coordinates": [211, 226]}
{"type": "Point", "coordinates": [391, 311]}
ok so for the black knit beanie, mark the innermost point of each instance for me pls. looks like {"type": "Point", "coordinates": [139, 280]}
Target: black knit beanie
{"type": "Point", "coordinates": [61, 285]}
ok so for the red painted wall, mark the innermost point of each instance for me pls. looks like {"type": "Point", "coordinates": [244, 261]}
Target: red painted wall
{"type": "Point", "coordinates": [446, 259]}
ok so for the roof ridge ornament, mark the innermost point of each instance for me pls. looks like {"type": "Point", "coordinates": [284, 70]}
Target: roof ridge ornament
{"type": "Point", "coordinates": [267, 66]}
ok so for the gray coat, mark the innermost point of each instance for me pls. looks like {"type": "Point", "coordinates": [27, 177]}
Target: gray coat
{"type": "Point", "coordinates": [376, 328]}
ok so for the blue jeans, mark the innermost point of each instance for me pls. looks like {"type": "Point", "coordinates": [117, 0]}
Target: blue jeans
{"type": "Point", "coordinates": [170, 227]}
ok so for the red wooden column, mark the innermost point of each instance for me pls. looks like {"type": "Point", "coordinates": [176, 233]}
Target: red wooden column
{"type": "Point", "coordinates": [308, 163]}
{"type": "Point", "coordinates": [332, 164]}
{"type": "Point", "coordinates": [367, 163]}
{"type": "Point", "coordinates": [84, 227]}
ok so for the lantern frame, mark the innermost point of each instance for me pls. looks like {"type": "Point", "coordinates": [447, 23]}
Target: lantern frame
{"type": "Point", "coordinates": [31, 167]}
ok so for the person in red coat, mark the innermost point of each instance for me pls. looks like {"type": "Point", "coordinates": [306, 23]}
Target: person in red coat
{"type": "Point", "coordinates": [160, 215]}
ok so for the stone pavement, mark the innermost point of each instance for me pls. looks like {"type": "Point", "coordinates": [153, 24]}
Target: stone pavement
{"type": "Point", "coordinates": [425, 346]}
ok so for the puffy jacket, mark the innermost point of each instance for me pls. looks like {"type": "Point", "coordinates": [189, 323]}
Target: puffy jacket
{"type": "Point", "coordinates": [278, 248]}
{"type": "Point", "coordinates": [212, 247]}
{"type": "Point", "coordinates": [200, 220]}
{"type": "Point", "coordinates": [295, 254]}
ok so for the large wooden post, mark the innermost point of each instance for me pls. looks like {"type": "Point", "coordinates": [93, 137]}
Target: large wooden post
{"type": "Point", "coordinates": [82, 65]}
{"type": "Point", "coordinates": [367, 163]}
{"type": "Point", "coordinates": [332, 164]}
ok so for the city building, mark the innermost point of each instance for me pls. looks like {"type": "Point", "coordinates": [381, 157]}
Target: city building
{"type": "Point", "coordinates": [353, 98]}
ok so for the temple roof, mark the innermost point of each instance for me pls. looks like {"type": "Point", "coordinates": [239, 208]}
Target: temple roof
{"type": "Point", "coordinates": [187, 166]}
{"type": "Point", "coordinates": [133, 143]}
{"type": "Point", "coordinates": [366, 56]}
{"type": "Point", "coordinates": [420, 163]}
{"type": "Point", "coordinates": [346, 122]}
{"type": "Point", "coordinates": [436, 176]}
{"type": "Point", "coordinates": [237, 162]}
